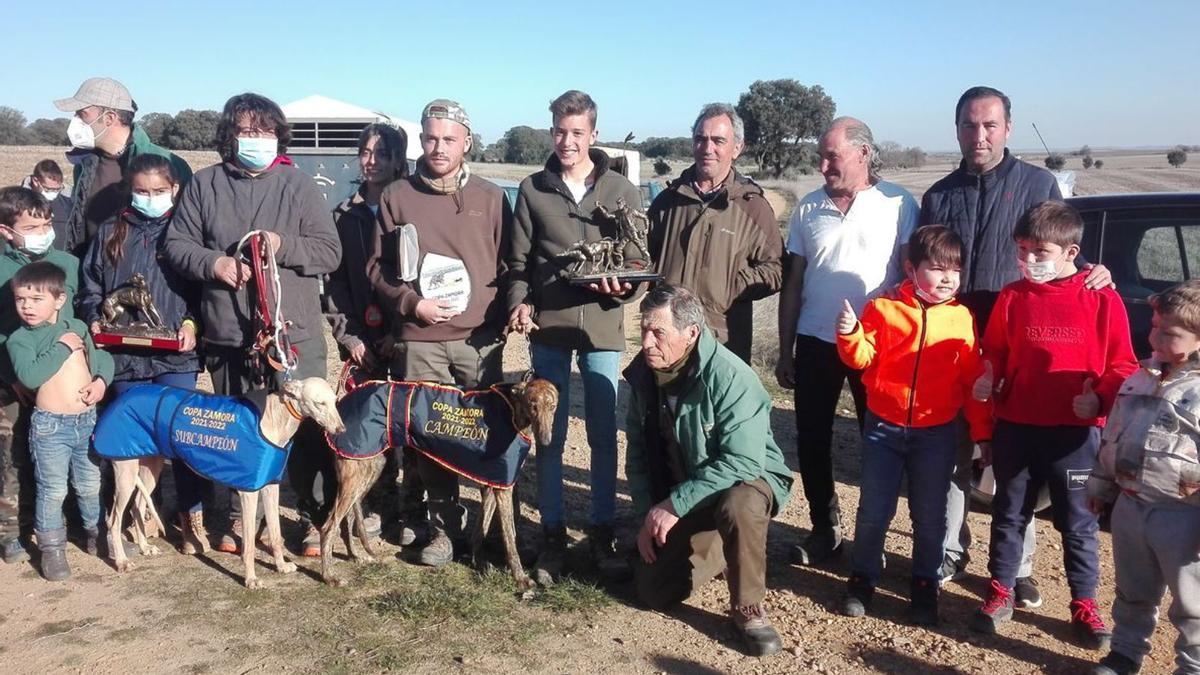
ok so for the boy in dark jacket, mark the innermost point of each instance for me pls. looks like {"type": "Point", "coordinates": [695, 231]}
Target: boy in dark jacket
{"type": "Point", "coordinates": [1057, 353]}
{"type": "Point", "coordinates": [55, 357]}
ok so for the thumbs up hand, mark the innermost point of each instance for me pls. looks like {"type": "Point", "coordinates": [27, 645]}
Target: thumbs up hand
{"type": "Point", "coordinates": [985, 385]}
{"type": "Point", "coordinates": [1087, 404]}
{"type": "Point", "coordinates": [847, 319]}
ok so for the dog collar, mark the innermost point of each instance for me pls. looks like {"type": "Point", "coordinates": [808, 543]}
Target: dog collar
{"type": "Point", "coordinates": [291, 410]}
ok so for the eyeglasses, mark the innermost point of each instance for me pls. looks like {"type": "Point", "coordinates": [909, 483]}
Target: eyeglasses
{"type": "Point", "coordinates": [252, 132]}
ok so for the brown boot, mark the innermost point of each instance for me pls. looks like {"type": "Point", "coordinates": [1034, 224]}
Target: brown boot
{"type": "Point", "coordinates": [195, 537]}
{"type": "Point", "coordinates": [756, 630]}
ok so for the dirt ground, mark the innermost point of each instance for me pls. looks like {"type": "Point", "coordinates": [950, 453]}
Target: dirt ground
{"type": "Point", "coordinates": [190, 614]}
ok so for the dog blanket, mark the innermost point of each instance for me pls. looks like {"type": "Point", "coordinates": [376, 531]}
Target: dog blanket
{"type": "Point", "coordinates": [218, 437]}
{"type": "Point", "coordinates": [469, 432]}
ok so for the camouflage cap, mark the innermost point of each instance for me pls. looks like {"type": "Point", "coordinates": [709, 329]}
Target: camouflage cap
{"type": "Point", "coordinates": [444, 108]}
{"type": "Point", "coordinates": [100, 91]}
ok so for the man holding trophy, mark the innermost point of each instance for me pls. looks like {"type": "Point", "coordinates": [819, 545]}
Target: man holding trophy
{"type": "Point", "coordinates": [436, 265]}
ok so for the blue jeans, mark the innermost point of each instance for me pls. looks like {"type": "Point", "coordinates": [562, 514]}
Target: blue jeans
{"type": "Point", "coordinates": [59, 445]}
{"type": "Point", "coordinates": [890, 451]}
{"type": "Point", "coordinates": [599, 370]}
{"type": "Point", "coordinates": [189, 486]}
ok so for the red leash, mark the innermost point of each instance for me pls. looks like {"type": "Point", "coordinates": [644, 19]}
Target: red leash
{"type": "Point", "coordinates": [271, 341]}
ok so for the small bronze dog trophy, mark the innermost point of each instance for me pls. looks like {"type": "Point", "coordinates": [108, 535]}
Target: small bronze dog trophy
{"type": "Point", "coordinates": [129, 318]}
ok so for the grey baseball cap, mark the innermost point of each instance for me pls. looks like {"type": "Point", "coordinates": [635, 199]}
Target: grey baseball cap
{"type": "Point", "coordinates": [102, 91]}
{"type": "Point", "coordinates": [444, 108]}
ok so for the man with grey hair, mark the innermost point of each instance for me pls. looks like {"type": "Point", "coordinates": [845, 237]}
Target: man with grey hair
{"type": "Point", "coordinates": [845, 241]}
{"type": "Point", "coordinates": [704, 471]}
{"type": "Point", "coordinates": [713, 231]}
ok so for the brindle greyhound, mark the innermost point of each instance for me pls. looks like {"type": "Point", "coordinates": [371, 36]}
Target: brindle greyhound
{"type": "Point", "coordinates": [533, 404]}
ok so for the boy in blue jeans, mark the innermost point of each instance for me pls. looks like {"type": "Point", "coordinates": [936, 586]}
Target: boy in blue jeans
{"type": "Point", "coordinates": [55, 357]}
{"type": "Point", "coordinates": [1057, 352]}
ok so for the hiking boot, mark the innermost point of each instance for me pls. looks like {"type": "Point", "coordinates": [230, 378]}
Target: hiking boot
{"type": "Point", "coordinates": [602, 544]}
{"type": "Point", "coordinates": [53, 545]}
{"type": "Point", "coordinates": [439, 550]}
{"type": "Point", "coordinates": [923, 603]}
{"type": "Point", "coordinates": [1087, 626]}
{"type": "Point", "coordinates": [415, 533]}
{"type": "Point", "coordinates": [1027, 594]}
{"type": "Point", "coordinates": [818, 547]}
{"type": "Point", "coordinates": [191, 530]}
{"type": "Point", "coordinates": [552, 556]}
{"type": "Point", "coordinates": [756, 631]}
{"type": "Point", "coordinates": [92, 539]}
{"type": "Point", "coordinates": [1116, 663]}
{"type": "Point", "coordinates": [12, 550]}
{"type": "Point", "coordinates": [230, 540]}
{"type": "Point", "coordinates": [857, 598]}
{"type": "Point", "coordinates": [372, 525]}
{"type": "Point", "coordinates": [310, 546]}
{"type": "Point", "coordinates": [997, 609]}
{"type": "Point", "coordinates": [953, 569]}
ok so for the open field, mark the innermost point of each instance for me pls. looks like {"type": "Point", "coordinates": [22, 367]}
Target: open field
{"type": "Point", "coordinates": [190, 614]}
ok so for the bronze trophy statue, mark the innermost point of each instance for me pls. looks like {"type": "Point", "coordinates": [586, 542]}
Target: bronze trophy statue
{"type": "Point", "coordinates": [589, 261]}
{"type": "Point", "coordinates": [129, 318]}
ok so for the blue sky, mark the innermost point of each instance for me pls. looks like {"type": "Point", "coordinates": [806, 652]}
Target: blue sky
{"type": "Point", "coordinates": [1085, 73]}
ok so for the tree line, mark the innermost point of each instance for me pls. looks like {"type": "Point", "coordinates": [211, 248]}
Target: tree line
{"type": "Point", "coordinates": [783, 119]}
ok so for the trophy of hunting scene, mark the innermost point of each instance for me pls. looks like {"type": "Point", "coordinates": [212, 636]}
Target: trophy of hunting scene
{"type": "Point", "coordinates": [128, 317]}
{"type": "Point", "coordinates": [590, 261]}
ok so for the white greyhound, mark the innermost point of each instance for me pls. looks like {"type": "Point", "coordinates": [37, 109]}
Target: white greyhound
{"type": "Point", "coordinates": [281, 416]}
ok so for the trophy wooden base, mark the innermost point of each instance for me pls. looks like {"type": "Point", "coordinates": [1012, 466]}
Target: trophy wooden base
{"type": "Point", "coordinates": [170, 343]}
{"type": "Point", "coordinates": [630, 276]}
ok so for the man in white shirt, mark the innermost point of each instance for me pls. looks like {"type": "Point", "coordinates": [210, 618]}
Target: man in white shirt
{"type": "Point", "coordinates": [844, 240]}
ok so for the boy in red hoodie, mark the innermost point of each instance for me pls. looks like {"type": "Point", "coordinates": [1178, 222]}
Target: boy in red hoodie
{"type": "Point", "coordinates": [918, 353]}
{"type": "Point", "coordinates": [1058, 352]}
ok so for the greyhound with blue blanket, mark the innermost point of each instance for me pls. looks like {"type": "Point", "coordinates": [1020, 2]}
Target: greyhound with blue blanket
{"type": "Point", "coordinates": [479, 434]}
{"type": "Point", "coordinates": [240, 442]}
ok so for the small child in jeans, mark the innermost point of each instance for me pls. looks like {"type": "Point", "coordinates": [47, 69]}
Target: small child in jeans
{"type": "Point", "coordinates": [919, 357]}
{"type": "Point", "coordinates": [1057, 352]}
{"type": "Point", "coordinates": [55, 357]}
{"type": "Point", "coordinates": [1149, 465]}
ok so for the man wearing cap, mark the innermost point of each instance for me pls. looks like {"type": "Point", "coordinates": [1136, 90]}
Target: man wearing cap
{"type": "Point", "coordinates": [103, 133]}
{"type": "Point", "coordinates": [714, 232]}
{"type": "Point", "coordinates": [436, 265]}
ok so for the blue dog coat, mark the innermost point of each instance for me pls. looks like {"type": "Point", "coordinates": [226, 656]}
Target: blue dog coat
{"type": "Point", "coordinates": [218, 437]}
{"type": "Point", "coordinates": [469, 432]}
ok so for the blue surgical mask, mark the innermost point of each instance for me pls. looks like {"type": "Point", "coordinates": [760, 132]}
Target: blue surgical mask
{"type": "Point", "coordinates": [257, 154]}
{"type": "Point", "coordinates": [153, 206]}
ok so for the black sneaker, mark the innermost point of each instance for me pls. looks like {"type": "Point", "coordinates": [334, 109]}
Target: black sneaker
{"type": "Point", "coordinates": [857, 598]}
{"type": "Point", "coordinates": [610, 564]}
{"type": "Point", "coordinates": [552, 557]}
{"type": "Point", "coordinates": [923, 603]}
{"type": "Point", "coordinates": [953, 569]}
{"type": "Point", "coordinates": [1027, 594]}
{"type": "Point", "coordinates": [996, 609]}
{"type": "Point", "coordinates": [1087, 625]}
{"type": "Point", "coordinates": [1116, 663]}
{"type": "Point", "coordinates": [818, 547]}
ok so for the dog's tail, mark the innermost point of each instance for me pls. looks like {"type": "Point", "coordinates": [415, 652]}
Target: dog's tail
{"type": "Point", "coordinates": [145, 504]}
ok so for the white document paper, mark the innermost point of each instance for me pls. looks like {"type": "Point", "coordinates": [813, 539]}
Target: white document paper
{"type": "Point", "coordinates": [445, 278]}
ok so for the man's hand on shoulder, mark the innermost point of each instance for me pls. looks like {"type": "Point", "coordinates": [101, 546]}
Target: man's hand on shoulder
{"type": "Point", "coordinates": [1098, 277]}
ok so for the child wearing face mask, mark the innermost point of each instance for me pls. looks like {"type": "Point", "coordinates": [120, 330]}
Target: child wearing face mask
{"type": "Point", "coordinates": [917, 349]}
{"type": "Point", "coordinates": [1149, 471]}
{"type": "Point", "coordinates": [1056, 353]}
{"type": "Point", "coordinates": [130, 244]}
{"type": "Point", "coordinates": [25, 226]}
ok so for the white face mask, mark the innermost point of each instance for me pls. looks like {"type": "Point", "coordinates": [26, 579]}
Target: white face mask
{"type": "Point", "coordinates": [50, 195]}
{"type": "Point", "coordinates": [38, 244]}
{"type": "Point", "coordinates": [81, 135]}
{"type": "Point", "coordinates": [1039, 272]}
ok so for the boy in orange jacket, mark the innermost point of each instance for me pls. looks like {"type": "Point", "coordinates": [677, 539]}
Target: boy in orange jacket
{"type": "Point", "coordinates": [917, 349]}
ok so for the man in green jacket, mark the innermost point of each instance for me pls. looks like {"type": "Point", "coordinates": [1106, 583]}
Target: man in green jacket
{"type": "Point", "coordinates": [556, 208]}
{"type": "Point", "coordinates": [105, 141]}
{"type": "Point", "coordinates": [704, 471]}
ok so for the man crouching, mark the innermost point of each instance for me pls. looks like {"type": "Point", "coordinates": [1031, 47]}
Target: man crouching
{"type": "Point", "coordinates": [704, 470]}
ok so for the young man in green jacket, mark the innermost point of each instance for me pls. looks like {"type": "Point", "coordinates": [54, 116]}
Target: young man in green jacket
{"type": "Point", "coordinates": [557, 207]}
{"type": "Point", "coordinates": [704, 471]}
